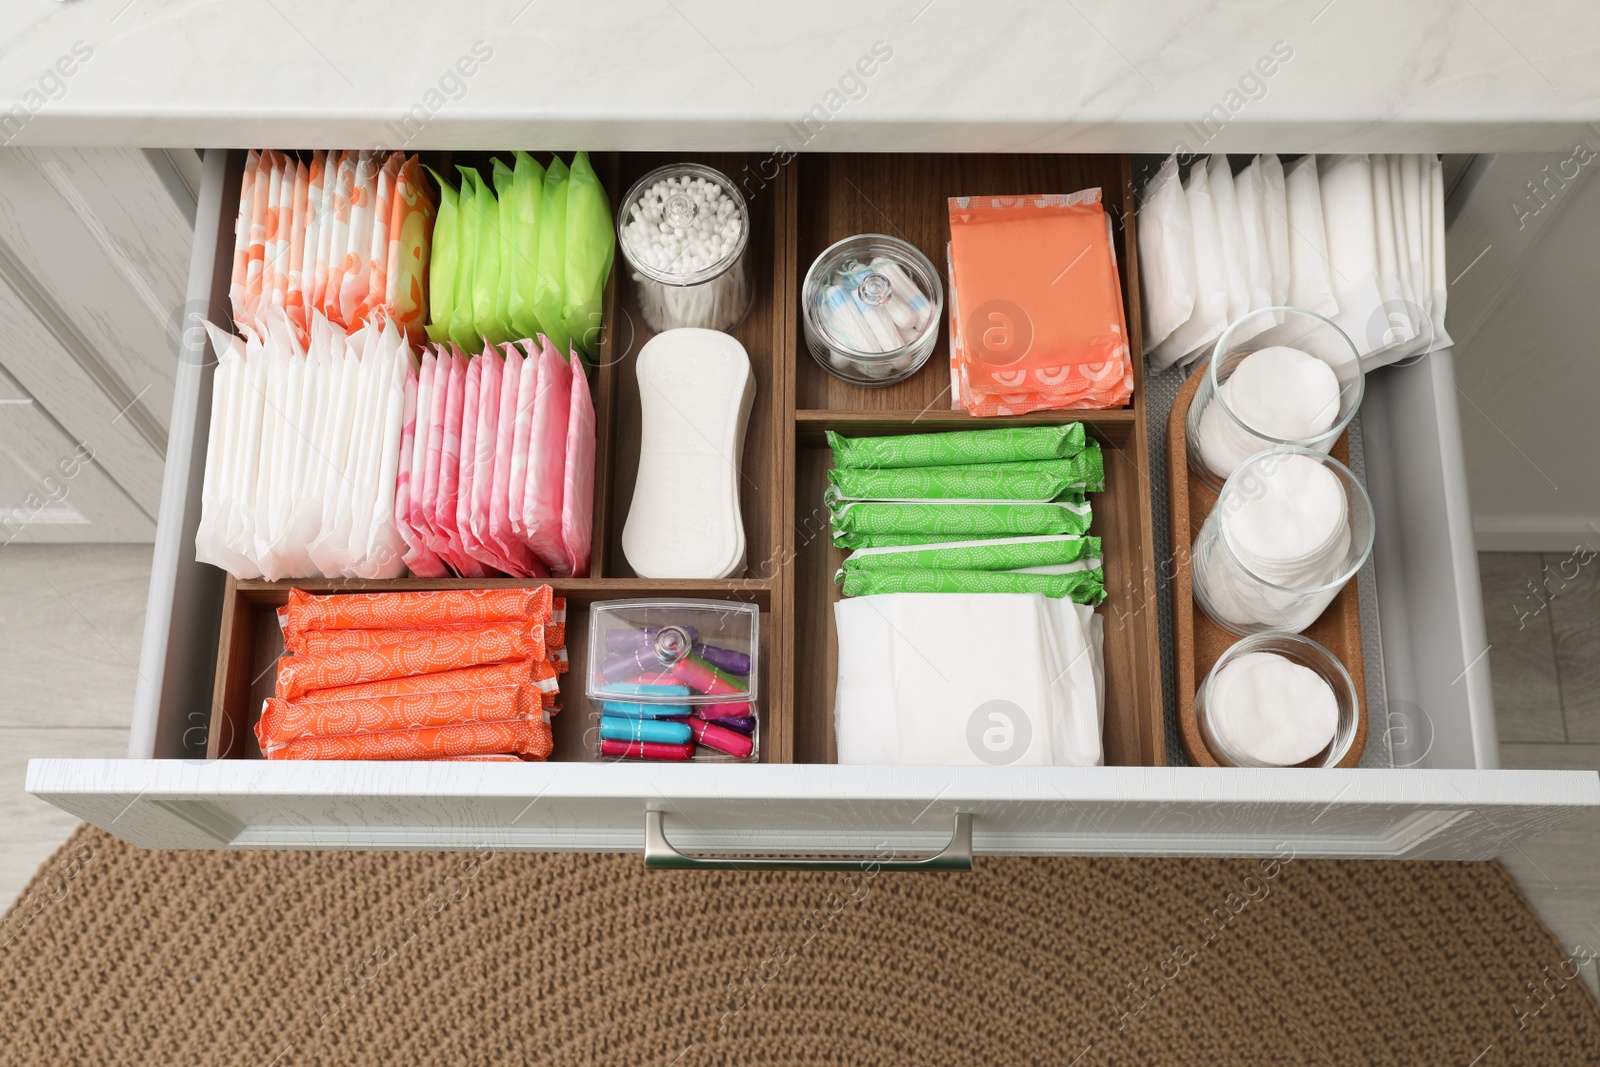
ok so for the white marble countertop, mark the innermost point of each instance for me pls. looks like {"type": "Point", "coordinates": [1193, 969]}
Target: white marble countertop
{"type": "Point", "coordinates": [940, 75]}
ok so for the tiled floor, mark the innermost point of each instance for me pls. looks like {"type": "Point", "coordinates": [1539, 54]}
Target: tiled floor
{"type": "Point", "coordinates": [1542, 613]}
{"type": "Point", "coordinates": [71, 617]}
{"type": "Point", "coordinates": [70, 622]}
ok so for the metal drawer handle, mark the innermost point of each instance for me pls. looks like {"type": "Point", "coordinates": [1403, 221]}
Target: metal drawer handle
{"type": "Point", "coordinates": [659, 854]}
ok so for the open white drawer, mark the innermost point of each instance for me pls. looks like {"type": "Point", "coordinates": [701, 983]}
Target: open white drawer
{"type": "Point", "coordinates": [1445, 797]}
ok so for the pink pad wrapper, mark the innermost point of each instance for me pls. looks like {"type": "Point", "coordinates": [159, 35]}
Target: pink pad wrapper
{"type": "Point", "coordinates": [419, 558]}
{"type": "Point", "coordinates": [497, 531]}
{"type": "Point", "coordinates": [521, 432]}
{"type": "Point", "coordinates": [471, 410]}
{"type": "Point", "coordinates": [577, 495]}
{"type": "Point", "coordinates": [547, 458]}
{"type": "Point", "coordinates": [444, 514]}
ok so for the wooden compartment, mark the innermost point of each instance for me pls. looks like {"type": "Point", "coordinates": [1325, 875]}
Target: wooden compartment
{"type": "Point", "coordinates": [1197, 641]}
{"type": "Point", "coordinates": [806, 206]}
{"type": "Point", "coordinates": [905, 196]}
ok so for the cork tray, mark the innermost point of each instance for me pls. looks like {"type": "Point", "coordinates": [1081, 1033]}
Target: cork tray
{"type": "Point", "coordinates": [1197, 642]}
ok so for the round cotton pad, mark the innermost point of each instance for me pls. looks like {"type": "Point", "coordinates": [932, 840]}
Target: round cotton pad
{"type": "Point", "coordinates": [1289, 519]}
{"type": "Point", "coordinates": [1265, 708]}
{"type": "Point", "coordinates": [1284, 393]}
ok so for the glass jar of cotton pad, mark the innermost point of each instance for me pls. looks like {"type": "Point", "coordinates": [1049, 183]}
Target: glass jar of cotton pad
{"type": "Point", "coordinates": [1277, 700]}
{"type": "Point", "coordinates": [1280, 375]}
{"type": "Point", "coordinates": [684, 231]}
{"type": "Point", "coordinates": [872, 306]}
{"type": "Point", "coordinates": [1291, 526]}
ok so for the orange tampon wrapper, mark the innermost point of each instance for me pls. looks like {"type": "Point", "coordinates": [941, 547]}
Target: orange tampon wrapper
{"type": "Point", "coordinates": [284, 721]}
{"type": "Point", "coordinates": [328, 642]}
{"type": "Point", "coordinates": [298, 675]}
{"type": "Point", "coordinates": [530, 738]}
{"type": "Point", "coordinates": [417, 611]}
{"type": "Point", "coordinates": [493, 676]}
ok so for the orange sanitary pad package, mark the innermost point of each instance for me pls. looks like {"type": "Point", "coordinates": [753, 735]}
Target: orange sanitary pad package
{"type": "Point", "coordinates": [1036, 319]}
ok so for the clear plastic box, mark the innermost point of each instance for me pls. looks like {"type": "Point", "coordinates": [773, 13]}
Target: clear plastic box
{"type": "Point", "coordinates": [679, 674]}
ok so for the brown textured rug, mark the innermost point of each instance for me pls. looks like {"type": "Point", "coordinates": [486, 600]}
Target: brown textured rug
{"type": "Point", "coordinates": [118, 956]}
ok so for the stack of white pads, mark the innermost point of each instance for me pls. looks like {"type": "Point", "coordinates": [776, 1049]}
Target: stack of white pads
{"type": "Point", "coordinates": [956, 678]}
{"type": "Point", "coordinates": [1357, 238]}
{"type": "Point", "coordinates": [302, 452]}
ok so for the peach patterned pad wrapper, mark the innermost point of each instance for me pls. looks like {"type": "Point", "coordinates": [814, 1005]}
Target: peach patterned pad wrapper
{"type": "Point", "coordinates": [471, 648]}
{"type": "Point", "coordinates": [526, 737]}
{"type": "Point", "coordinates": [282, 721]}
{"type": "Point", "coordinates": [411, 217]}
{"type": "Point", "coordinates": [294, 301]}
{"type": "Point", "coordinates": [378, 249]}
{"type": "Point", "coordinates": [241, 234]}
{"type": "Point", "coordinates": [354, 277]}
{"type": "Point", "coordinates": [405, 611]}
{"type": "Point", "coordinates": [279, 239]}
{"type": "Point", "coordinates": [338, 237]}
{"type": "Point", "coordinates": [256, 257]}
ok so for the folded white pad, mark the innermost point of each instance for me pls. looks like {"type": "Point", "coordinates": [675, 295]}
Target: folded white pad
{"type": "Point", "coordinates": [695, 392]}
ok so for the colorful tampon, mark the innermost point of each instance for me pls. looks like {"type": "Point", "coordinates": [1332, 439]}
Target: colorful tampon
{"type": "Point", "coordinates": [724, 658]}
{"type": "Point", "coordinates": [632, 710]}
{"type": "Point", "coordinates": [744, 724]}
{"type": "Point", "coordinates": [627, 664]}
{"type": "Point", "coordinates": [645, 750]}
{"type": "Point", "coordinates": [626, 640]}
{"type": "Point", "coordinates": [738, 710]}
{"type": "Point", "coordinates": [713, 736]}
{"type": "Point", "coordinates": [651, 689]}
{"type": "Point", "coordinates": [661, 677]}
{"type": "Point", "coordinates": [702, 677]}
{"type": "Point", "coordinates": [660, 731]}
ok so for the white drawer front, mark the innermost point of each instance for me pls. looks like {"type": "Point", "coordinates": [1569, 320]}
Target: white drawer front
{"type": "Point", "coordinates": [1447, 802]}
{"type": "Point", "coordinates": [1156, 811]}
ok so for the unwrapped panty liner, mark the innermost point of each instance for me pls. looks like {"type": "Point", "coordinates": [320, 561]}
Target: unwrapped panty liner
{"type": "Point", "coordinates": [695, 393]}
